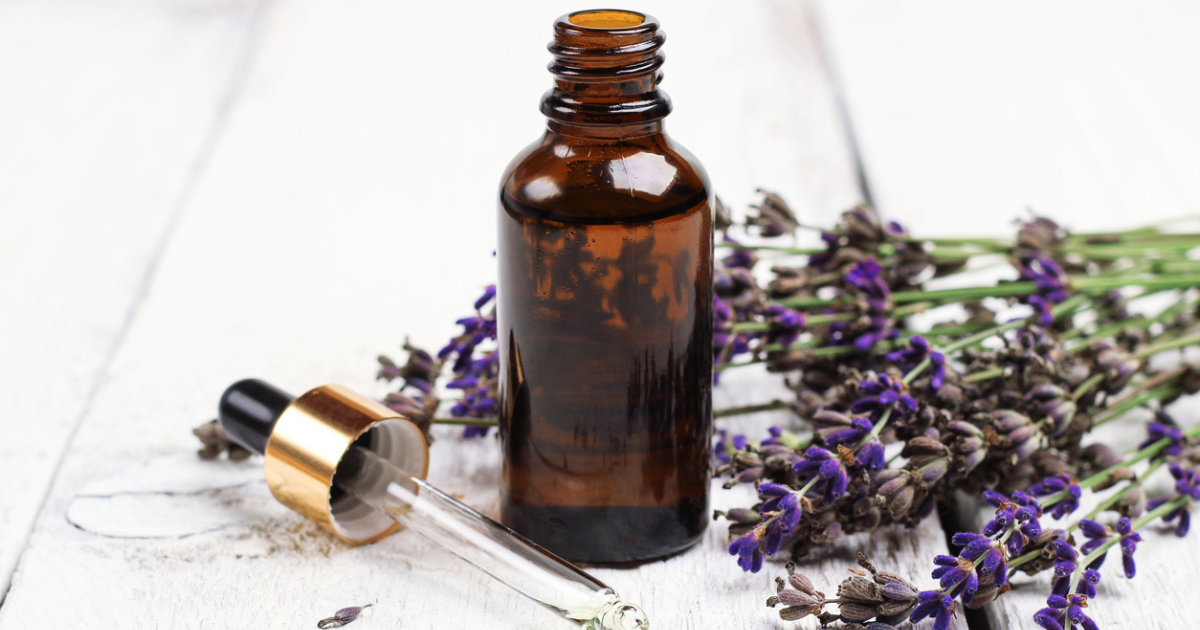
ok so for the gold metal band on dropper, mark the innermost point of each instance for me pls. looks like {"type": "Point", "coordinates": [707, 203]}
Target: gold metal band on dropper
{"type": "Point", "coordinates": [309, 440]}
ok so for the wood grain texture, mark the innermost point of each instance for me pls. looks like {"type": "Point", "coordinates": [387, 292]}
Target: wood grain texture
{"type": "Point", "coordinates": [350, 200]}
{"type": "Point", "coordinates": [105, 109]}
{"type": "Point", "coordinates": [966, 113]}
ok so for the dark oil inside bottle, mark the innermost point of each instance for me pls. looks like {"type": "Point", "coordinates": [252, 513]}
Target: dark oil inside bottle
{"type": "Point", "coordinates": [607, 379]}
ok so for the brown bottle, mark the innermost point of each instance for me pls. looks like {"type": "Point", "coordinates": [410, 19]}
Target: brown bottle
{"type": "Point", "coordinates": [605, 309]}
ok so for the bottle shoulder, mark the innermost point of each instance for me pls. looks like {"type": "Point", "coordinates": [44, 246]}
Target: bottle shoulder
{"type": "Point", "coordinates": [588, 180]}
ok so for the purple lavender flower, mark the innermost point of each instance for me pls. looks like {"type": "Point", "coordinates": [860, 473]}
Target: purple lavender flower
{"type": "Point", "coordinates": [746, 548]}
{"type": "Point", "coordinates": [739, 258]}
{"type": "Point", "coordinates": [777, 436]}
{"type": "Point", "coordinates": [1156, 431]}
{"type": "Point", "coordinates": [727, 345]}
{"type": "Point", "coordinates": [1059, 484]}
{"type": "Point", "coordinates": [863, 278]}
{"type": "Point", "coordinates": [1049, 284]}
{"type": "Point", "coordinates": [782, 508]}
{"type": "Point", "coordinates": [1019, 514]}
{"type": "Point", "coordinates": [821, 261]}
{"type": "Point", "coordinates": [957, 576]}
{"type": "Point", "coordinates": [1064, 612]}
{"type": "Point", "coordinates": [985, 556]}
{"type": "Point", "coordinates": [1087, 583]}
{"type": "Point", "coordinates": [1065, 558]}
{"type": "Point", "coordinates": [918, 350]}
{"type": "Point", "coordinates": [859, 428]}
{"type": "Point", "coordinates": [1183, 513]}
{"type": "Point", "coordinates": [489, 294]}
{"type": "Point", "coordinates": [829, 469]}
{"type": "Point", "coordinates": [1098, 535]}
{"type": "Point", "coordinates": [933, 604]}
{"type": "Point", "coordinates": [1042, 309]}
{"type": "Point", "coordinates": [785, 325]}
{"type": "Point", "coordinates": [726, 445]}
{"type": "Point", "coordinates": [1187, 484]}
{"type": "Point", "coordinates": [871, 455]}
{"type": "Point", "coordinates": [881, 394]}
{"type": "Point", "coordinates": [476, 330]}
{"type": "Point", "coordinates": [475, 375]}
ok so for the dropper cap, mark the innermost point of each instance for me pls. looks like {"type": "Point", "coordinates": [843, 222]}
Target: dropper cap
{"type": "Point", "coordinates": [304, 440]}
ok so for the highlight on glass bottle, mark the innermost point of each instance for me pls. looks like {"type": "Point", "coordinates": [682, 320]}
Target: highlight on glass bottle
{"type": "Point", "coordinates": [605, 308]}
{"type": "Point", "coordinates": [356, 469]}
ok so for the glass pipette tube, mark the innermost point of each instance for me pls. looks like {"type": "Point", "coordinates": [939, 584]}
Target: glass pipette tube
{"type": "Point", "coordinates": [499, 551]}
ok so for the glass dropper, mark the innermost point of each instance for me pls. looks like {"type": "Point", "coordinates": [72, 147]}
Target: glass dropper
{"type": "Point", "coordinates": [499, 551]}
{"type": "Point", "coordinates": [332, 455]}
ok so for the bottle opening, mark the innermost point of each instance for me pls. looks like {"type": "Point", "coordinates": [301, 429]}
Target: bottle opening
{"type": "Point", "coordinates": [607, 19]}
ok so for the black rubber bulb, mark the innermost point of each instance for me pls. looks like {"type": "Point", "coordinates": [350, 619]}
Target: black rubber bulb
{"type": "Point", "coordinates": [248, 412]}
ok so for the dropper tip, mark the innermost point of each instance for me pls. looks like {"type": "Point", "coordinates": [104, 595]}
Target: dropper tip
{"type": "Point", "coordinates": [625, 616]}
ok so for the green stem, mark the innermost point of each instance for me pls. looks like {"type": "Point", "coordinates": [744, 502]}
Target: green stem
{"type": "Point", "coordinates": [1154, 388]}
{"type": "Point", "coordinates": [1087, 386]}
{"type": "Point", "coordinates": [1135, 457]}
{"type": "Point", "coordinates": [1116, 496]}
{"type": "Point", "coordinates": [877, 429]}
{"type": "Point", "coordinates": [747, 409]}
{"type": "Point", "coordinates": [1132, 402]}
{"type": "Point", "coordinates": [825, 351]}
{"type": "Point", "coordinates": [467, 422]}
{"type": "Point", "coordinates": [1158, 512]}
{"type": "Point", "coordinates": [1081, 284]}
{"type": "Point", "coordinates": [1169, 344]}
{"type": "Point", "coordinates": [1134, 323]}
{"type": "Point", "coordinates": [984, 375]}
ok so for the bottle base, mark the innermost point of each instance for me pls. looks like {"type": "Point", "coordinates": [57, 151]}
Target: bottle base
{"type": "Point", "coordinates": [610, 535]}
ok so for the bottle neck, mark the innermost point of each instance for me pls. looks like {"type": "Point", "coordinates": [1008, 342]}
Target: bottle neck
{"type": "Point", "coordinates": [612, 131]}
{"type": "Point", "coordinates": [606, 70]}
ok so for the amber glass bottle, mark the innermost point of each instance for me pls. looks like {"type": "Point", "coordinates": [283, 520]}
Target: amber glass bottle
{"type": "Point", "coordinates": [605, 312]}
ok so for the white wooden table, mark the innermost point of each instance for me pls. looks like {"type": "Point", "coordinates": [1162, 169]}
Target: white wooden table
{"type": "Point", "coordinates": [196, 191]}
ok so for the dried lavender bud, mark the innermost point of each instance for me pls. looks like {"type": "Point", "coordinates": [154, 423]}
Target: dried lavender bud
{"type": "Point", "coordinates": [801, 583]}
{"type": "Point", "coordinates": [932, 472]}
{"type": "Point", "coordinates": [801, 600]}
{"type": "Point", "coordinates": [861, 225]}
{"type": "Point", "coordinates": [860, 589]}
{"type": "Point", "coordinates": [789, 281]}
{"type": "Point", "coordinates": [1115, 477]}
{"type": "Point", "coordinates": [793, 613]}
{"type": "Point", "coordinates": [739, 515]}
{"type": "Point", "coordinates": [1131, 504]}
{"type": "Point", "coordinates": [342, 617]}
{"type": "Point", "coordinates": [789, 597]}
{"type": "Point", "coordinates": [922, 445]}
{"type": "Point", "coordinates": [1040, 236]}
{"type": "Point", "coordinates": [774, 217]}
{"type": "Point", "coordinates": [420, 367]}
{"type": "Point", "coordinates": [854, 611]}
{"type": "Point", "coordinates": [216, 441]}
{"type": "Point", "coordinates": [418, 407]}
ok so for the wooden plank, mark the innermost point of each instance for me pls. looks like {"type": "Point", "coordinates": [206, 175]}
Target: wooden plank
{"type": "Point", "coordinates": [967, 113]}
{"type": "Point", "coordinates": [348, 202]}
{"type": "Point", "coordinates": [106, 107]}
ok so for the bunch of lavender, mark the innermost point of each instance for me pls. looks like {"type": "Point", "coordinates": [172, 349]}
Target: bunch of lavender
{"type": "Point", "coordinates": [1016, 540]}
{"type": "Point", "coordinates": [986, 403]}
